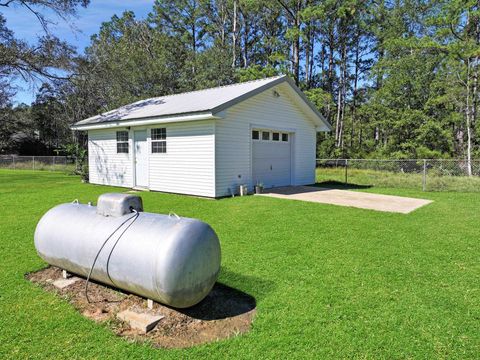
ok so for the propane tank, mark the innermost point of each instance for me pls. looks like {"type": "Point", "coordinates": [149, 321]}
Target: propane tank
{"type": "Point", "coordinates": [166, 258]}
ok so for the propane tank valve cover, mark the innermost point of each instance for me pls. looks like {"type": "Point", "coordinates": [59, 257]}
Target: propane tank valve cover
{"type": "Point", "coordinates": [116, 204]}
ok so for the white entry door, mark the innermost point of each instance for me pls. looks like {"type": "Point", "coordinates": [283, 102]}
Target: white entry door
{"type": "Point", "coordinates": [141, 158]}
{"type": "Point", "coordinates": [271, 156]}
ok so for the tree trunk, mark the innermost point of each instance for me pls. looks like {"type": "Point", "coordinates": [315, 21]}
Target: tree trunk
{"type": "Point", "coordinates": [378, 85]}
{"type": "Point", "coordinates": [355, 91]}
{"type": "Point", "coordinates": [322, 66]}
{"type": "Point", "coordinates": [234, 35]}
{"type": "Point", "coordinates": [337, 120]}
{"type": "Point", "coordinates": [307, 57]}
{"type": "Point", "coordinates": [312, 59]}
{"type": "Point", "coordinates": [246, 33]}
{"type": "Point", "coordinates": [194, 43]}
{"type": "Point", "coordinates": [459, 141]}
{"type": "Point", "coordinates": [341, 94]}
{"type": "Point", "coordinates": [331, 62]}
{"type": "Point", "coordinates": [296, 51]}
{"type": "Point", "coordinates": [468, 118]}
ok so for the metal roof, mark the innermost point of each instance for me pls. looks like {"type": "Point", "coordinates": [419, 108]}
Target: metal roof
{"type": "Point", "coordinates": [208, 101]}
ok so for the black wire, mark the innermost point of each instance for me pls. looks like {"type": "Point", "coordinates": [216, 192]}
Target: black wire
{"type": "Point", "coordinates": [114, 245]}
{"type": "Point", "coordinates": [103, 245]}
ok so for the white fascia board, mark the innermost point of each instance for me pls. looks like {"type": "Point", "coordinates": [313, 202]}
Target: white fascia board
{"type": "Point", "coordinates": [147, 121]}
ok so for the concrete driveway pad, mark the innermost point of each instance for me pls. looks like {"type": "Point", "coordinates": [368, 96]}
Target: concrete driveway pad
{"type": "Point", "coordinates": [363, 200]}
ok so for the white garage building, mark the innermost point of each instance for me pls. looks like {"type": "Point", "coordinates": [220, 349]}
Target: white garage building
{"type": "Point", "coordinates": [208, 142]}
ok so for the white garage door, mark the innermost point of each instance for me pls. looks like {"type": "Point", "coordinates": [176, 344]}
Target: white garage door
{"type": "Point", "coordinates": [271, 158]}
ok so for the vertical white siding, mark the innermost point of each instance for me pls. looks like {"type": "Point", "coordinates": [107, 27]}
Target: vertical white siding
{"type": "Point", "coordinates": [188, 166]}
{"type": "Point", "coordinates": [233, 138]}
{"type": "Point", "coordinates": [105, 166]}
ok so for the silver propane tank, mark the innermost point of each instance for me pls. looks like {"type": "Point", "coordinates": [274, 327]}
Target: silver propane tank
{"type": "Point", "coordinates": [169, 259]}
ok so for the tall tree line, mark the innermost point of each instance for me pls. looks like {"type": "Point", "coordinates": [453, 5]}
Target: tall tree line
{"type": "Point", "coordinates": [396, 78]}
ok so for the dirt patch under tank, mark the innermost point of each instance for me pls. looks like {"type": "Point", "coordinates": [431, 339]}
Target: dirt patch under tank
{"type": "Point", "coordinates": [224, 313]}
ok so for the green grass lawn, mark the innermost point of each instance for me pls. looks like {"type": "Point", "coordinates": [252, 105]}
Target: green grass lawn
{"type": "Point", "coordinates": [384, 178]}
{"type": "Point", "coordinates": [329, 281]}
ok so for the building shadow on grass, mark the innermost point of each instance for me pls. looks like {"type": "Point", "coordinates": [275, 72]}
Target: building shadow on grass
{"type": "Point", "coordinates": [340, 185]}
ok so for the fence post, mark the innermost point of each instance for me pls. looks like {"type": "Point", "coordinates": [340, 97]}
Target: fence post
{"type": "Point", "coordinates": [53, 167]}
{"type": "Point", "coordinates": [424, 179]}
{"type": "Point", "coordinates": [33, 160]}
{"type": "Point", "coordinates": [13, 160]}
{"type": "Point", "coordinates": [346, 171]}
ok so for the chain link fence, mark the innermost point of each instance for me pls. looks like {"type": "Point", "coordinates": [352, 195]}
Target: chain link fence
{"type": "Point", "coordinates": [424, 174]}
{"type": "Point", "coordinates": [51, 163]}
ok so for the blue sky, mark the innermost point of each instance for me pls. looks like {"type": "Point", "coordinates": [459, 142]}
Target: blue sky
{"type": "Point", "coordinates": [87, 22]}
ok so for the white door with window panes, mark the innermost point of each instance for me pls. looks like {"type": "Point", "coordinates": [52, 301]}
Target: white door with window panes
{"type": "Point", "coordinates": [271, 158]}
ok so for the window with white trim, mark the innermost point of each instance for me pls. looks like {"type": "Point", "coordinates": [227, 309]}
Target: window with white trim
{"type": "Point", "coordinates": [285, 137]}
{"type": "Point", "coordinates": [255, 135]}
{"type": "Point", "coordinates": [276, 136]}
{"type": "Point", "coordinates": [122, 142]}
{"type": "Point", "coordinates": [265, 135]}
{"type": "Point", "coordinates": [159, 140]}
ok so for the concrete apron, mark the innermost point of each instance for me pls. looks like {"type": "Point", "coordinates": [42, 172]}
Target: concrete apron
{"type": "Point", "coordinates": [362, 200]}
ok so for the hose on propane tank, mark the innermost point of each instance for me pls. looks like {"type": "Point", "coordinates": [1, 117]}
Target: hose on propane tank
{"type": "Point", "coordinates": [134, 217]}
{"type": "Point", "coordinates": [116, 242]}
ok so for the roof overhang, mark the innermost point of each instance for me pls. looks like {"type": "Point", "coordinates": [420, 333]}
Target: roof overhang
{"type": "Point", "coordinates": [147, 121]}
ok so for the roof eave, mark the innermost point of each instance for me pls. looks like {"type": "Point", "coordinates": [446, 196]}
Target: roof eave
{"type": "Point", "coordinates": [147, 121]}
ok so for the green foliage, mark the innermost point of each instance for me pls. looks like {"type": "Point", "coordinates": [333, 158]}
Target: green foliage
{"type": "Point", "coordinates": [135, 61]}
{"type": "Point", "coordinates": [256, 72]}
{"type": "Point", "coordinates": [395, 79]}
{"type": "Point", "coordinates": [320, 98]}
{"type": "Point", "coordinates": [79, 155]}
